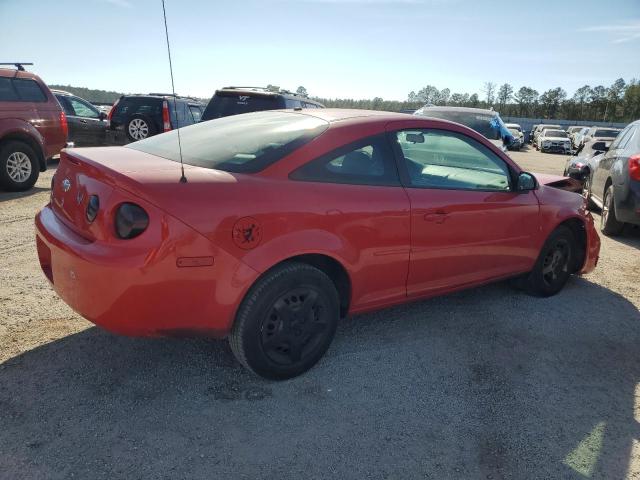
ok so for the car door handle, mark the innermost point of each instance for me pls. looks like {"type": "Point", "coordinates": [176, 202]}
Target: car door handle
{"type": "Point", "coordinates": [437, 217]}
{"type": "Point", "coordinates": [83, 121]}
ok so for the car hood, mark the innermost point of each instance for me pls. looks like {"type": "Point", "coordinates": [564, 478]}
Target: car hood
{"type": "Point", "coordinates": [555, 139]}
{"type": "Point", "coordinates": [557, 181]}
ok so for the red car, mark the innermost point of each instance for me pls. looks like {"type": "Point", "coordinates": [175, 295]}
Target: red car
{"type": "Point", "coordinates": [286, 221]}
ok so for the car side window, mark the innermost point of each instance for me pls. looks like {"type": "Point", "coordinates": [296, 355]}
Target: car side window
{"type": "Point", "coordinates": [66, 106]}
{"type": "Point", "coordinates": [196, 113]}
{"type": "Point", "coordinates": [367, 162]}
{"type": "Point", "coordinates": [622, 139]}
{"type": "Point", "coordinates": [290, 103]}
{"type": "Point", "coordinates": [83, 109]}
{"type": "Point", "coordinates": [29, 90]}
{"type": "Point", "coordinates": [448, 160]}
{"type": "Point", "coordinates": [7, 93]}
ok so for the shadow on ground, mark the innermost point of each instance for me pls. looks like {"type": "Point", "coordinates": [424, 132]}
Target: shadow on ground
{"type": "Point", "coordinates": [481, 384]}
{"type": "Point", "coordinates": [5, 196]}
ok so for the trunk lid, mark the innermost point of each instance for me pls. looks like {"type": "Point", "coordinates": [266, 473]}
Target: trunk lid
{"type": "Point", "coordinates": [115, 174]}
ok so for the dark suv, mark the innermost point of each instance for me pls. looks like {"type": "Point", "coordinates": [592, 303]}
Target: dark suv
{"type": "Point", "coordinates": [33, 128]}
{"type": "Point", "coordinates": [235, 100]}
{"type": "Point", "coordinates": [87, 124]}
{"type": "Point", "coordinates": [615, 182]}
{"type": "Point", "coordinates": [136, 117]}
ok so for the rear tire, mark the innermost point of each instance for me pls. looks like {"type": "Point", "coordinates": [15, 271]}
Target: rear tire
{"type": "Point", "coordinates": [19, 167]}
{"type": "Point", "coordinates": [609, 223]}
{"type": "Point", "coordinates": [286, 322]}
{"type": "Point", "coordinates": [553, 267]}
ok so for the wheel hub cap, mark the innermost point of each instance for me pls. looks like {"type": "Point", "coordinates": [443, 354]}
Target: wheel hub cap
{"type": "Point", "coordinates": [294, 326]}
{"type": "Point", "coordinates": [19, 167]}
{"type": "Point", "coordinates": [556, 262]}
{"type": "Point", "coordinates": [138, 129]}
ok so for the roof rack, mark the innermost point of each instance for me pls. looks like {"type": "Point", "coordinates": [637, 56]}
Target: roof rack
{"type": "Point", "coordinates": [264, 89]}
{"type": "Point", "coordinates": [164, 94]}
{"type": "Point", "coordinates": [18, 65]}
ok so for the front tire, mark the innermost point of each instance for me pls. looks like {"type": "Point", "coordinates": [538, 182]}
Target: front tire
{"type": "Point", "coordinates": [19, 169]}
{"type": "Point", "coordinates": [609, 223]}
{"type": "Point", "coordinates": [553, 267]}
{"type": "Point", "coordinates": [286, 322]}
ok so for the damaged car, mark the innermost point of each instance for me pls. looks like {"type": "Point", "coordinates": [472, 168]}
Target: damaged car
{"type": "Point", "coordinates": [267, 228]}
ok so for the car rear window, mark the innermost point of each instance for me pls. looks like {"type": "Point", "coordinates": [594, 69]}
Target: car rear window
{"type": "Point", "coordinates": [606, 133]}
{"type": "Point", "coordinates": [20, 90]}
{"type": "Point", "coordinates": [138, 105]}
{"type": "Point", "coordinates": [242, 143]}
{"type": "Point", "coordinates": [227, 104]}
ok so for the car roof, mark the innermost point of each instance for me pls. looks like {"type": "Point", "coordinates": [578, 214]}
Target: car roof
{"type": "Point", "coordinates": [62, 92]}
{"type": "Point", "coordinates": [12, 72]}
{"type": "Point", "coordinates": [332, 115]}
{"type": "Point", "coordinates": [460, 109]}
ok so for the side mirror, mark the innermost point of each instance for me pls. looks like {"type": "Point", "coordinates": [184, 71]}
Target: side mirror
{"type": "Point", "coordinates": [526, 182]}
{"type": "Point", "coordinates": [102, 116]}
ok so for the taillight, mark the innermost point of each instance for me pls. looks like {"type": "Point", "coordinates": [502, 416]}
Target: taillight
{"type": "Point", "coordinates": [64, 124]}
{"type": "Point", "coordinates": [634, 167]}
{"type": "Point", "coordinates": [113, 109]}
{"type": "Point", "coordinates": [166, 122]}
{"type": "Point", "coordinates": [131, 220]}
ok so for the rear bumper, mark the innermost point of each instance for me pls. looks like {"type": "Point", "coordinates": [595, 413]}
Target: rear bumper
{"type": "Point", "coordinates": [592, 251]}
{"type": "Point", "coordinates": [627, 198]}
{"type": "Point", "coordinates": [141, 291]}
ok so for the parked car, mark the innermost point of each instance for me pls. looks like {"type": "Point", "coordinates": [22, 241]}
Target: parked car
{"type": "Point", "coordinates": [33, 128]}
{"type": "Point", "coordinates": [539, 129]}
{"type": "Point", "coordinates": [518, 135]}
{"type": "Point", "coordinates": [551, 140]}
{"type": "Point", "coordinates": [136, 117]}
{"type": "Point", "coordinates": [87, 124]}
{"type": "Point", "coordinates": [581, 165]}
{"type": "Point", "coordinates": [615, 183]}
{"type": "Point", "coordinates": [577, 136]}
{"type": "Point", "coordinates": [236, 100]}
{"type": "Point", "coordinates": [486, 122]}
{"type": "Point", "coordinates": [531, 133]}
{"type": "Point", "coordinates": [289, 221]}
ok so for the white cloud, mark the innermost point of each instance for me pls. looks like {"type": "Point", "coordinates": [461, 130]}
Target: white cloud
{"type": "Point", "coordinates": [622, 33]}
{"type": "Point", "coordinates": [119, 3]}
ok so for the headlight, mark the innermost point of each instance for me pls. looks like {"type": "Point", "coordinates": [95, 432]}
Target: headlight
{"type": "Point", "coordinates": [131, 220]}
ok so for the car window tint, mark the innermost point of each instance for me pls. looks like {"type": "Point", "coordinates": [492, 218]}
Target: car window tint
{"type": "Point", "coordinates": [441, 159]}
{"type": "Point", "coordinates": [367, 162]}
{"type": "Point", "coordinates": [7, 92]}
{"type": "Point", "coordinates": [226, 104]}
{"type": "Point", "coordinates": [624, 140]}
{"type": "Point", "coordinates": [83, 109]}
{"type": "Point", "coordinates": [239, 143]}
{"type": "Point", "coordinates": [29, 90]}
{"type": "Point", "coordinates": [621, 136]}
{"type": "Point", "coordinates": [196, 113]}
{"type": "Point", "coordinates": [291, 103]}
{"type": "Point", "coordinates": [66, 106]}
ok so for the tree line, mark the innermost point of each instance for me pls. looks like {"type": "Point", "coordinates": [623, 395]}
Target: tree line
{"type": "Point", "coordinates": [620, 102]}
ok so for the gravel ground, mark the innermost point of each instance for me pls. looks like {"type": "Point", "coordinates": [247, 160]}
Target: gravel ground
{"type": "Point", "coordinates": [487, 383]}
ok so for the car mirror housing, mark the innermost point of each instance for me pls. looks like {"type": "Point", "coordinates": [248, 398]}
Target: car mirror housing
{"type": "Point", "coordinates": [102, 116]}
{"type": "Point", "coordinates": [526, 182]}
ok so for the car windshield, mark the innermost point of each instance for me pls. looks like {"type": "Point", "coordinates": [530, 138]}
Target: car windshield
{"type": "Point", "coordinates": [226, 104]}
{"type": "Point", "coordinates": [241, 143]}
{"type": "Point", "coordinates": [555, 133]}
{"type": "Point", "coordinates": [606, 133]}
{"type": "Point", "coordinates": [485, 124]}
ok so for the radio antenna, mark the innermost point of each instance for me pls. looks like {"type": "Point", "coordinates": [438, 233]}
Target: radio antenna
{"type": "Point", "coordinates": [183, 179]}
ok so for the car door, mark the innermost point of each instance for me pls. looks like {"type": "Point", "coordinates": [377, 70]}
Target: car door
{"type": "Point", "coordinates": [359, 199]}
{"type": "Point", "coordinates": [468, 225]}
{"type": "Point", "coordinates": [602, 172]}
{"type": "Point", "coordinates": [91, 124]}
{"type": "Point", "coordinates": [73, 122]}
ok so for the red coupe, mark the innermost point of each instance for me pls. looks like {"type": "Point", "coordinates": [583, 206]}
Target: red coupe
{"type": "Point", "coordinates": [286, 221]}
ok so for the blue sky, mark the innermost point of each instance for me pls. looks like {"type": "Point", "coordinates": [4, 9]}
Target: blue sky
{"type": "Point", "coordinates": [335, 48]}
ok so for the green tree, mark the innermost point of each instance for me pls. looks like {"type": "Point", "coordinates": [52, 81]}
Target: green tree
{"type": "Point", "coordinates": [505, 93]}
{"type": "Point", "coordinates": [302, 91]}
{"type": "Point", "coordinates": [489, 90]}
{"type": "Point", "coordinates": [551, 101]}
{"type": "Point", "coordinates": [581, 97]}
{"type": "Point", "coordinates": [525, 98]}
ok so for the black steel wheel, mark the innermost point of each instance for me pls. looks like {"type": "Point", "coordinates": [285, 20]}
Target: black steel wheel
{"type": "Point", "coordinates": [554, 264]}
{"type": "Point", "coordinates": [286, 322]}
